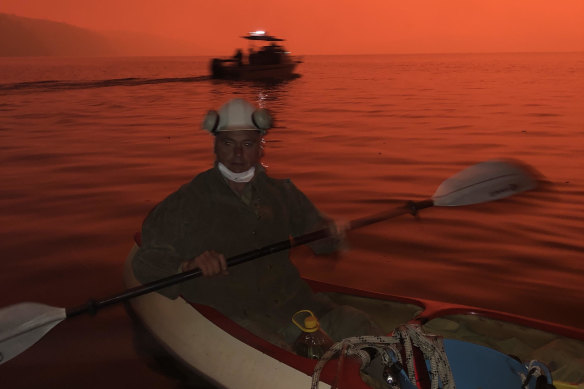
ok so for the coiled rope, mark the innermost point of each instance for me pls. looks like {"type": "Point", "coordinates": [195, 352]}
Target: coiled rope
{"type": "Point", "coordinates": [406, 336]}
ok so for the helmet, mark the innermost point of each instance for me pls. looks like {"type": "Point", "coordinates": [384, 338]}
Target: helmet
{"type": "Point", "coordinates": [238, 114]}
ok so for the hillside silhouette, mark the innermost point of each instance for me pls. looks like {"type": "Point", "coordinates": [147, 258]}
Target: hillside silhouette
{"type": "Point", "coordinates": [21, 37]}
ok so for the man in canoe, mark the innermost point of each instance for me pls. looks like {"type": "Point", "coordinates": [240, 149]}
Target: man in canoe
{"type": "Point", "coordinates": [234, 208]}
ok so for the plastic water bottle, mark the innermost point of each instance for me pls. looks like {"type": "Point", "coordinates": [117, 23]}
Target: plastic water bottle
{"type": "Point", "coordinates": [313, 342]}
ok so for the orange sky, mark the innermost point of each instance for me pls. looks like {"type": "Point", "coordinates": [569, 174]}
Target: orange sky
{"type": "Point", "coordinates": [334, 26]}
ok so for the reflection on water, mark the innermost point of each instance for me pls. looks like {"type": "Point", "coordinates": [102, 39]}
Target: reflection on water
{"type": "Point", "coordinates": [81, 167]}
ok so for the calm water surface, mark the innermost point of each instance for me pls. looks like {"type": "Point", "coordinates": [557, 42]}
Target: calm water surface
{"type": "Point", "coordinates": [89, 146]}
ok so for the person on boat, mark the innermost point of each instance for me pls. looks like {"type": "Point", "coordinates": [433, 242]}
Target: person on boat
{"type": "Point", "coordinates": [233, 208]}
{"type": "Point", "coordinates": [252, 56]}
{"type": "Point", "coordinates": [238, 57]}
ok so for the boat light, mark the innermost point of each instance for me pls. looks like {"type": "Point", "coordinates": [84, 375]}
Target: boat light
{"type": "Point", "coordinates": [257, 33]}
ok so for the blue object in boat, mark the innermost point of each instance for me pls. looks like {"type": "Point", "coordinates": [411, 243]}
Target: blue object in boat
{"type": "Point", "coordinates": [474, 366]}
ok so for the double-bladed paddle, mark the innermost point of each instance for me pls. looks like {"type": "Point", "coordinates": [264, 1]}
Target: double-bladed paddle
{"type": "Point", "coordinates": [22, 325]}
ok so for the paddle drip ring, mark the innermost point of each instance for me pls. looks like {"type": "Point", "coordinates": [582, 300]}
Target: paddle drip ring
{"type": "Point", "coordinates": [411, 206]}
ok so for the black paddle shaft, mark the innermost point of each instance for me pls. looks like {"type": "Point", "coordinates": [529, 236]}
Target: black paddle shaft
{"type": "Point", "coordinates": [92, 306]}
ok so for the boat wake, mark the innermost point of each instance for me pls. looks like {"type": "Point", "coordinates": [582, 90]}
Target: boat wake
{"type": "Point", "coordinates": [57, 85]}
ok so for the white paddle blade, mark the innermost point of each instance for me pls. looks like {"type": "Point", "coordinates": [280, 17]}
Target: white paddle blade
{"type": "Point", "coordinates": [22, 325]}
{"type": "Point", "coordinates": [486, 181]}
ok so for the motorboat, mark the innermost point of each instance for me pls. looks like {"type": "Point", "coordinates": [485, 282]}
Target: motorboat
{"type": "Point", "coordinates": [271, 61]}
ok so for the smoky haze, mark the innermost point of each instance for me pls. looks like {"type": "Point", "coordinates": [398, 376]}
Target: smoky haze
{"type": "Point", "coordinates": [20, 37]}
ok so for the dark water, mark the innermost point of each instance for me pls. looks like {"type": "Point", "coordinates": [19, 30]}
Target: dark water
{"type": "Point", "coordinates": [88, 146]}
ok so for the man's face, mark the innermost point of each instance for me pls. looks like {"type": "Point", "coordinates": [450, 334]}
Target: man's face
{"type": "Point", "coordinates": [238, 150]}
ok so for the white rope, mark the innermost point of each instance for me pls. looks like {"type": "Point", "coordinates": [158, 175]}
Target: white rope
{"type": "Point", "coordinates": [407, 335]}
{"type": "Point", "coordinates": [352, 347]}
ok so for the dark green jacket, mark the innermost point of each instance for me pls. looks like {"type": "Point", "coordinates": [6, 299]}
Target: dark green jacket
{"type": "Point", "coordinates": [206, 214]}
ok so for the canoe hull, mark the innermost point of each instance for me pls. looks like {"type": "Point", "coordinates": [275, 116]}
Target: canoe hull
{"type": "Point", "coordinates": [227, 355]}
